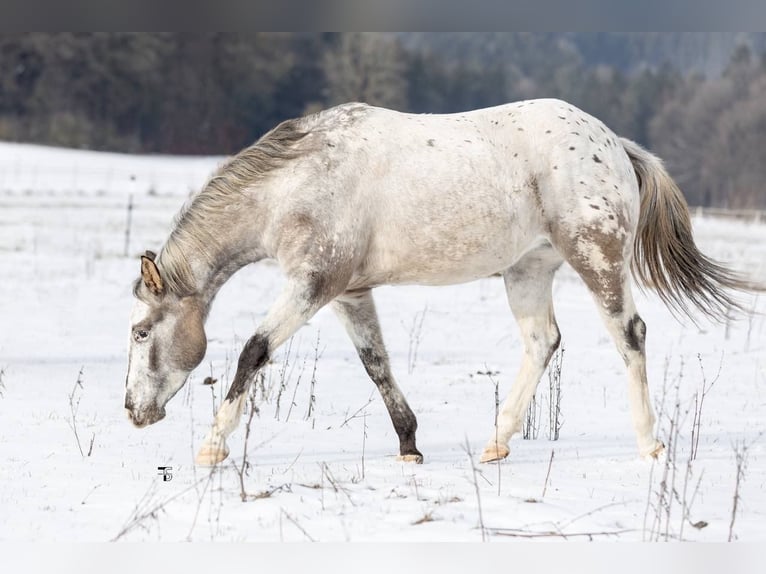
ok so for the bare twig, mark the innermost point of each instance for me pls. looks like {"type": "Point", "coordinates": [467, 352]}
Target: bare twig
{"type": "Point", "coordinates": [283, 376]}
{"type": "Point", "coordinates": [740, 454]}
{"type": "Point", "coordinates": [337, 487]}
{"type": "Point", "coordinates": [295, 390]}
{"type": "Point", "coordinates": [295, 522]}
{"type": "Point", "coordinates": [474, 472]}
{"type": "Point", "coordinates": [531, 426]}
{"type": "Point", "coordinates": [554, 534]}
{"type": "Point", "coordinates": [554, 396]}
{"type": "Point", "coordinates": [359, 410]}
{"type": "Point", "coordinates": [312, 394]}
{"type": "Point", "coordinates": [699, 401]}
{"type": "Point", "coordinates": [415, 332]}
{"type": "Point", "coordinates": [146, 509]}
{"type": "Point", "coordinates": [73, 408]}
{"type": "Point", "coordinates": [548, 474]}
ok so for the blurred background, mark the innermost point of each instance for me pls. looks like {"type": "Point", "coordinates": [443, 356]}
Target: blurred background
{"type": "Point", "coordinates": [696, 99]}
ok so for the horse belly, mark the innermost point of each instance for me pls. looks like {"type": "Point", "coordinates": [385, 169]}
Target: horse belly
{"type": "Point", "coordinates": [439, 250]}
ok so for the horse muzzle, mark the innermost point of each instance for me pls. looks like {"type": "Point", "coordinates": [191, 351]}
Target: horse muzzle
{"type": "Point", "coordinates": [143, 417]}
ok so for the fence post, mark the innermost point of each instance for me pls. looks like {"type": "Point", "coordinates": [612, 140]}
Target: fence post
{"type": "Point", "coordinates": [128, 224]}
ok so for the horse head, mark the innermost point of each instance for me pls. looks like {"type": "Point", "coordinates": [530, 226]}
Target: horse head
{"type": "Point", "coordinates": [167, 341]}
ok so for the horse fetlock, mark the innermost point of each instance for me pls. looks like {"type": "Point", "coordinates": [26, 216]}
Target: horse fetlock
{"type": "Point", "coordinates": [493, 452]}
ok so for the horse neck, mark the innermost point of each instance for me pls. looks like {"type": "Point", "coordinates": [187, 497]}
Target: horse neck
{"type": "Point", "coordinates": [198, 261]}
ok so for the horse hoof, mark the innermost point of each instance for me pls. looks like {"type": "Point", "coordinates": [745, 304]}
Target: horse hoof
{"type": "Point", "coordinates": [208, 456]}
{"type": "Point", "coordinates": [655, 451]}
{"type": "Point", "coordinates": [494, 452]}
{"type": "Point", "coordinates": [416, 458]}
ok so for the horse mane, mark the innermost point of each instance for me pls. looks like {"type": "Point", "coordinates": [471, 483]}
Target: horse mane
{"type": "Point", "coordinates": [196, 229]}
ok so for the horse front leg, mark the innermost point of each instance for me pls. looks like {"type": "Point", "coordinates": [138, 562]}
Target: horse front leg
{"type": "Point", "coordinates": [297, 303]}
{"type": "Point", "coordinates": [356, 310]}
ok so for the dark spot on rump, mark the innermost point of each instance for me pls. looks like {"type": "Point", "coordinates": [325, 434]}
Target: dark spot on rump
{"type": "Point", "coordinates": [596, 158]}
{"type": "Point", "coordinates": [431, 142]}
{"type": "Point", "coordinates": [520, 129]}
{"type": "Point", "coordinates": [595, 206]}
{"type": "Point", "coordinates": [534, 186]}
{"type": "Point", "coordinates": [571, 148]}
{"type": "Point", "coordinates": [330, 144]}
{"type": "Point", "coordinates": [611, 216]}
{"type": "Point", "coordinates": [591, 138]}
{"type": "Point", "coordinates": [562, 117]}
{"type": "Point", "coordinates": [606, 283]}
{"type": "Point", "coordinates": [555, 167]}
{"type": "Point", "coordinates": [253, 356]}
{"type": "Point", "coordinates": [635, 333]}
{"type": "Point", "coordinates": [575, 133]}
{"type": "Point", "coordinates": [467, 141]}
{"type": "Point", "coordinates": [515, 155]}
{"type": "Point", "coordinates": [547, 131]}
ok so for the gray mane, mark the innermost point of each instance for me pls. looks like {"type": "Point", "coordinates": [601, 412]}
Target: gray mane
{"type": "Point", "coordinates": [196, 232]}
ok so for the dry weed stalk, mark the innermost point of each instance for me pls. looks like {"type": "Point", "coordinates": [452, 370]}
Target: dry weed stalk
{"type": "Point", "coordinates": [672, 490]}
{"type": "Point", "coordinates": [548, 474]}
{"type": "Point", "coordinates": [282, 512]}
{"type": "Point", "coordinates": [474, 473]}
{"type": "Point", "coordinates": [554, 394]}
{"type": "Point", "coordinates": [416, 329]}
{"type": "Point", "coordinates": [740, 457]}
{"type": "Point", "coordinates": [312, 387]}
{"type": "Point", "coordinates": [74, 406]}
{"type": "Point", "coordinates": [699, 402]}
{"type": "Point", "coordinates": [530, 429]}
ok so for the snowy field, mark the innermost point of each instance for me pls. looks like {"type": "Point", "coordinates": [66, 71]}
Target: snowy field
{"type": "Point", "coordinates": [75, 469]}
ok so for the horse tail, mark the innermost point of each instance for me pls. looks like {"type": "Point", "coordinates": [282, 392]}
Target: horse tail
{"type": "Point", "coordinates": [665, 256]}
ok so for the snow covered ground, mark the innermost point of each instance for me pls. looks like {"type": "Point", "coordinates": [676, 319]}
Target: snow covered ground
{"type": "Point", "coordinates": [74, 468]}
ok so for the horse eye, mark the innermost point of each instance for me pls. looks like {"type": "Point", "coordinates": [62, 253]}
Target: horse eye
{"type": "Point", "coordinates": [140, 334]}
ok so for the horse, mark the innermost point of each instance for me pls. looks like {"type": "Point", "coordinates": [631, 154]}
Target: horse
{"type": "Point", "coordinates": [356, 196]}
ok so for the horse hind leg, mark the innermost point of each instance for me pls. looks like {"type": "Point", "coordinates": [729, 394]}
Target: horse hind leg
{"type": "Point", "coordinates": [528, 286]}
{"type": "Point", "coordinates": [357, 313]}
{"type": "Point", "coordinates": [602, 260]}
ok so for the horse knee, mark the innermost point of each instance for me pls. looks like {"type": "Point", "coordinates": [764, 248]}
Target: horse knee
{"type": "Point", "coordinates": [545, 342]}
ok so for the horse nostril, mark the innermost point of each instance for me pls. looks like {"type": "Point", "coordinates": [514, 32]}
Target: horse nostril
{"type": "Point", "coordinates": [128, 403]}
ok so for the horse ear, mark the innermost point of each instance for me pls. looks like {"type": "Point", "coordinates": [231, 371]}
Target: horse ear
{"type": "Point", "coordinates": [151, 275]}
{"type": "Point", "coordinates": [150, 254]}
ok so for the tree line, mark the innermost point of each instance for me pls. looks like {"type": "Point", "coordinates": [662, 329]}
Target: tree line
{"type": "Point", "coordinates": [698, 101]}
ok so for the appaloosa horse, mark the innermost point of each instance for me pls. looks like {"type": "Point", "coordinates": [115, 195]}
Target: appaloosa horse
{"type": "Point", "coordinates": [357, 196]}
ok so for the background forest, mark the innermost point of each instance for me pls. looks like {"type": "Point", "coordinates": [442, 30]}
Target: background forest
{"type": "Point", "coordinates": [696, 99]}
